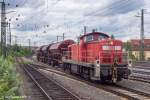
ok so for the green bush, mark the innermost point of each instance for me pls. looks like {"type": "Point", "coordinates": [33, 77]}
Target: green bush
{"type": "Point", "coordinates": [19, 51]}
{"type": "Point", "coordinates": [9, 80]}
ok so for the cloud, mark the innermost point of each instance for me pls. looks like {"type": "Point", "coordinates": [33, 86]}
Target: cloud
{"type": "Point", "coordinates": [43, 20]}
{"type": "Point", "coordinates": [121, 7]}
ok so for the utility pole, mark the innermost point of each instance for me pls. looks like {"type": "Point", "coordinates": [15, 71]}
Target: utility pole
{"type": "Point", "coordinates": [3, 29]}
{"type": "Point", "coordinates": [15, 40]}
{"type": "Point", "coordinates": [141, 53]}
{"type": "Point", "coordinates": [142, 36]}
{"type": "Point", "coordinates": [9, 32]}
{"type": "Point", "coordinates": [93, 30]}
{"type": "Point", "coordinates": [63, 37]}
{"type": "Point", "coordinates": [57, 38]}
{"type": "Point", "coordinates": [9, 27]}
{"type": "Point", "coordinates": [29, 44]}
{"type": "Point", "coordinates": [85, 28]}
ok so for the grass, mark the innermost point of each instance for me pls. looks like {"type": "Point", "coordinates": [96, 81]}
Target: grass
{"type": "Point", "coordinates": [27, 62]}
{"type": "Point", "coordinates": [9, 79]}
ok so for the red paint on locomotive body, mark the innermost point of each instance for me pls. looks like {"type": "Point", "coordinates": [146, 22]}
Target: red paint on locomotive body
{"type": "Point", "coordinates": [97, 46]}
{"type": "Point", "coordinates": [96, 57]}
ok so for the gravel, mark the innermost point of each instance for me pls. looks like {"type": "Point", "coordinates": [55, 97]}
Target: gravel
{"type": "Point", "coordinates": [93, 93]}
{"type": "Point", "coordinates": [136, 85]}
{"type": "Point", "coordinates": [28, 89]}
{"type": "Point", "coordinates": [85, 91]}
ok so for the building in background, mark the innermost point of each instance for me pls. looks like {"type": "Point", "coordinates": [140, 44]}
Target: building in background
{"type": "Point", "coordinates": [135, 44]}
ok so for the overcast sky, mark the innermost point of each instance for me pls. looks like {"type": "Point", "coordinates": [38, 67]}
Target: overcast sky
{"type": "Point", "coordinates": [42, 20]}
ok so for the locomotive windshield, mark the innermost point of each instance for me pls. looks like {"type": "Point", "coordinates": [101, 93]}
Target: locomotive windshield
{"type": "Point", "coordinates": [94, 37]}
{"type": "Point", "coordinates": [88, 38]}
{"type": "Point", "coordinates": [101, 37]}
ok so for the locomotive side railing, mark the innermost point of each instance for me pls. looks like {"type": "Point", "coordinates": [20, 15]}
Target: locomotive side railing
{"type": "Point", "coordinates": [104, 57]}
{"type": "Point", "coordinates": [85, 56]}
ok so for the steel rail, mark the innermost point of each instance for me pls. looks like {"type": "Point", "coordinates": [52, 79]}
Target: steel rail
{"type": "Point", "coordinates": [118, 90]}
{"type": "Point", "coordinates": [140, 79]}
{"type": "Point", "coordinates": [64, 92]}
{"type": "Point", "coordinates": [37, 84]}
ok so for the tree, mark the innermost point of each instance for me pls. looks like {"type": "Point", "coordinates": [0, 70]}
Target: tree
{"type": "Point", "coordinates": [128, 48]}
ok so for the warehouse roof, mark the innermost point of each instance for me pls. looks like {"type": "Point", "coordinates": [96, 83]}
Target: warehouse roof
{"type": "Point", "coordinates": [136, 44]}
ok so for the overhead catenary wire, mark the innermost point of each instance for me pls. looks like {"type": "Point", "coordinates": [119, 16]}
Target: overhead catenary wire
{"type": "Point", "coordinates": [67, 23]}
{"type": "Point", "coordinates": [45, 13]}
{"type": "Point", "coordinates": [43, 10]}
{"type": "Point", "coordinates": [70, 24]}
{"type": "Point", "coordinates": [102, 12]}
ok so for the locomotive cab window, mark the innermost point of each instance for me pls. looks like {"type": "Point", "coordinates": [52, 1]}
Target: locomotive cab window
{"type": "Point", "coordinates": [88, 38]}
{"type": "Point", "coordinates": [101, 37]}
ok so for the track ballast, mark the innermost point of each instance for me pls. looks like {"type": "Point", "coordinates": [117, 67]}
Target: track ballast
{"type": "Point", "coordinates": [51, 89]}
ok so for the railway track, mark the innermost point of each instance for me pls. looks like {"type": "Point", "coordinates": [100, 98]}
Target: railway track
{"type": "Point", "coordinates": [30, 90]}
{"type": "Point", "coordinates": [141, 71]}
{"type": "Point", "coordinates": [116, 89]}
{"type": "Point", "coordinates": [127, 92]}
{"type": "Point", "coordinates": [140, 78]}
{"type": "Point", "coordinates": [142, 67]}
{"type": "Point", "coordinates": [140, 74]}
{"type": "Point", "coordinates": [51, 89]}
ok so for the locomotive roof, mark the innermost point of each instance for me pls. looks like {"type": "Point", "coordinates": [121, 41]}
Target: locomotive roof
{"type": "Point", "coordinates": [94, 33]}
{"type": "Point", "coordinates": [60, 44]}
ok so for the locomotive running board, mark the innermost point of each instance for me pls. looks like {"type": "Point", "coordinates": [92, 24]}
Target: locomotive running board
{"type": "Point", "coordinates": [78, 63]}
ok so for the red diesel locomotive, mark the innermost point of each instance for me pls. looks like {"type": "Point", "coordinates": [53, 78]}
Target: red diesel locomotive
{"type": "Point", "coordinates": [96, 56]}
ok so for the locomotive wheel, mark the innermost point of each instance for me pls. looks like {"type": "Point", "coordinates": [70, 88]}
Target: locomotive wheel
{"type": "Point", "coordinates": [64, 66]}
